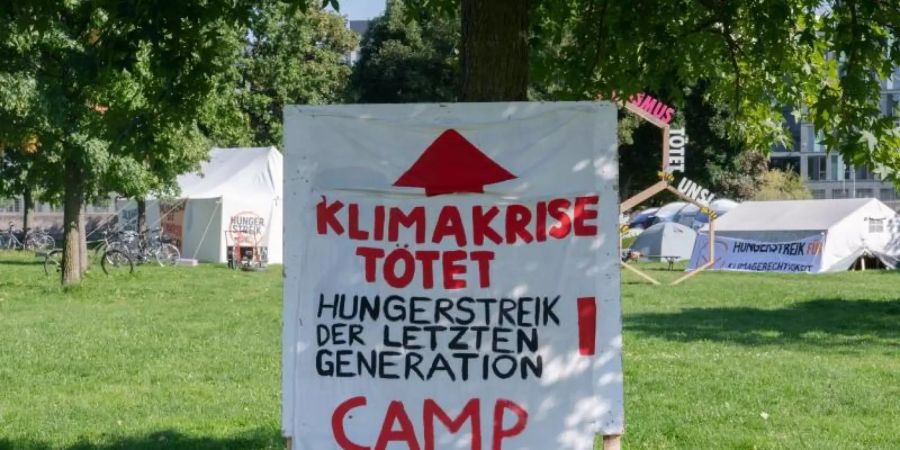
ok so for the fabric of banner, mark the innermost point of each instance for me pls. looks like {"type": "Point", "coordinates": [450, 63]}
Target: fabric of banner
{"type": "Point", "coordinates": [451, 276]}
{"type": "Point", "coordinates": [803, 255]}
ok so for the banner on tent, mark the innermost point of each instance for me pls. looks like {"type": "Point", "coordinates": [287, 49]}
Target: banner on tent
{"type": "Point", "coordinates": [172, 221]}
{"type": "Point", "coordinates": [435, 309]}
{"type": "Point", "coordinates": [804, 255]}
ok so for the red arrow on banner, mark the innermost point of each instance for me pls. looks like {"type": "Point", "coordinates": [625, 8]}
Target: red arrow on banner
{"type": "Point", "coordinates": [452, 164]}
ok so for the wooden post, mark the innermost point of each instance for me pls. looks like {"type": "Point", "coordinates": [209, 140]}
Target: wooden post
{"type": "Point", "coordinates": [665, 149]}
{"type": "Point", "coordinates": [638, 111]}
{"type": "Point", "coordinates": [288, 443]}
{"type": "Point", "coordinates": [712, 253]}
{"type": "Point", "coordinates": [640, 197]}
{"type": "Point", "coordinates": [639, 273]}
{"type": "Point", "coordinates": [692, 273]}
{"type": "Point", "coordinates": [612, 442]}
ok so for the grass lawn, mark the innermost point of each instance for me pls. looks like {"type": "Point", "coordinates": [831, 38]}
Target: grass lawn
{"type": "Point", "coordinates": [189, 358]}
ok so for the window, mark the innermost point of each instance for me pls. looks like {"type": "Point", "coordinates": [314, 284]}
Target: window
{"type": "Point", "coordinates": [786, 163]}
{"type": "Point", "coordinates": [815, 168]}
{"type": "Point", "coordinates": [804, 139]}
{"type": "Point", "coordinates": [863, 173]}
{"type": "Point", "coordinates": [876, 225]}
{"type": "Point", "coordinates": [817, 144]}
{"type": "Point", "coordinates": [865, 193]}
{"type": "Point", "coordinates": [9, 205]}
{"type": "Point", "coordinates": [47, 208]}
{"type": "Point", "coordinates": [888, 194]}
{"type": "Point", "coordinates": [818, 194]}
{"type": "Point", "coordinates": [101, 205]}
{"type": "Point", "coordinates": [840, 193]}
{"type": "Point", "coordinates": [834, 168]}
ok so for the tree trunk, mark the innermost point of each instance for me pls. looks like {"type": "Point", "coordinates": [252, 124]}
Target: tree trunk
{"type": "Point", "coordinates": [82, 243]}
{"type": "Point", "coordinates": [27, 209]}
{"type": "Point", "coordinates": [73, 201]}
{"type": "Point", "coordinates": [494, 58]}
{"type": "Point", "coordinates": [141, 214]}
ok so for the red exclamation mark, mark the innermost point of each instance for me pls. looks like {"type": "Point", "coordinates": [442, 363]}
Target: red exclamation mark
{"type": "Point", "coordinates": [587, 325]}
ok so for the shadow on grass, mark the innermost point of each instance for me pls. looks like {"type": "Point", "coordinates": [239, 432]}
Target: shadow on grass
{"type": "Point", "coordinates": [36, 262]}
{"type": "Point", "coordinates": [168, 440]}
{"type": "Point", "coordinates": [825, 322]}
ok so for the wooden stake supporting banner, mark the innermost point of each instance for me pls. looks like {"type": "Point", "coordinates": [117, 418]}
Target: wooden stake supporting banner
{"type": "Point", "coordinates": [692, 273]}
{"type": "Point", "coordinates": [712, 251]}
{"type": "Point", "coordinates": [612, 442]}
{"type": "Point", "coordinates": [640, 273]}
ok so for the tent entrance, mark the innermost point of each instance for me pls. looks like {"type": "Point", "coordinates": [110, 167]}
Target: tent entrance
{"type": "Point", "coordinates": [869, 262]}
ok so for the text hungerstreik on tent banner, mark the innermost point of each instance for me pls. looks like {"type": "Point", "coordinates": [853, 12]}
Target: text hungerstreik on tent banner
{"type": "Point", "coordinates": [452, 276]}
{"type": "Point", "coordinates": [804, 255]}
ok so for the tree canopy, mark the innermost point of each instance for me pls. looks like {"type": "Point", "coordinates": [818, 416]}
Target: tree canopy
{"type": "Point", "coordinates": [111, 92]}
{"type": "Point", "coordinates": [825, 59]}
{"type": "Point", "coordinates": [294, 55]}
{"type": "Point", "coordinates": [415, 58]}
{"type": "Point", "coordinates": [405, 59]}
{"type": "Point", "coordinates": [122, 97]}
{"type": "Point", "coordinates": [782, 185]}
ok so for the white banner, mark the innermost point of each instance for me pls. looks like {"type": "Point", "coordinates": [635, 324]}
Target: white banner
{"type": "Point", "coordinates": [804, 255]}
{"type": "Point", "coordinates": [451, 277]}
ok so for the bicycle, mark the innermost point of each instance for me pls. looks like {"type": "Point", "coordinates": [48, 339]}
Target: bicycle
{"type": "Point", "coordinates": [36, 241]}
{"type": "Point", "coordinates": [148, 246]}
{"type": "Point", "coordinates": [101, 245]}
{"type": "Point", "coordinates": [113, 262]}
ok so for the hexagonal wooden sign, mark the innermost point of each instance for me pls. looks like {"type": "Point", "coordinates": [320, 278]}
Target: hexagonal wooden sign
{"type": "Point", "coordinates": [649, 109]}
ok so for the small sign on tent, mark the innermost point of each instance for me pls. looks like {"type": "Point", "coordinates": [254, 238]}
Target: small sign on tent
{"type": "Point", "coordinates": [451, 276]}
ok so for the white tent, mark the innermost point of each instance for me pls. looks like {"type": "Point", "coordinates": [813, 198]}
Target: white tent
{"type": "Point", "coordinates": [691, 216]}
{"type": "Point", "coordinates": [840, 231]}
{"type": "Point", "coordinates": [665, 240]}
{"type": "Point", "coordinates": [236, 193]}
{"type": "Point", "coordinates": [723, 205]}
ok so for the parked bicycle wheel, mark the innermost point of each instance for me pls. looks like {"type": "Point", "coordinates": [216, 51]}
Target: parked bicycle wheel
{"type": "Point", "coordinates": [98, 252]}
{"type": "Point", "coordinates": [7, 242]}
{"type": "Point", "coordinates": [115, 247]}
{"type": "Point", "coordinates": [116, 262]}
{"type": "Point", "coordinates": [53, 262]}
{"type": "Point", "coordinates": [167, 254]}
{"type": "Point", "coordinates": [47, 242]}
{"type": "Point", "coordinates": [39, 242]}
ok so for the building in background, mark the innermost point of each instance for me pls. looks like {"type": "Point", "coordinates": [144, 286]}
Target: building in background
{"type": "Point", "coordinates": [359, 27]}
{"type": "Point", "coordinates": [49, 217]}
{"type": "Point", "coordinates": [826, 174]}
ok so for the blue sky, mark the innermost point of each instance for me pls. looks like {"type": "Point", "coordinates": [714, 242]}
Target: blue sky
{"type": "Point", "coordinates": [361, 9]}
